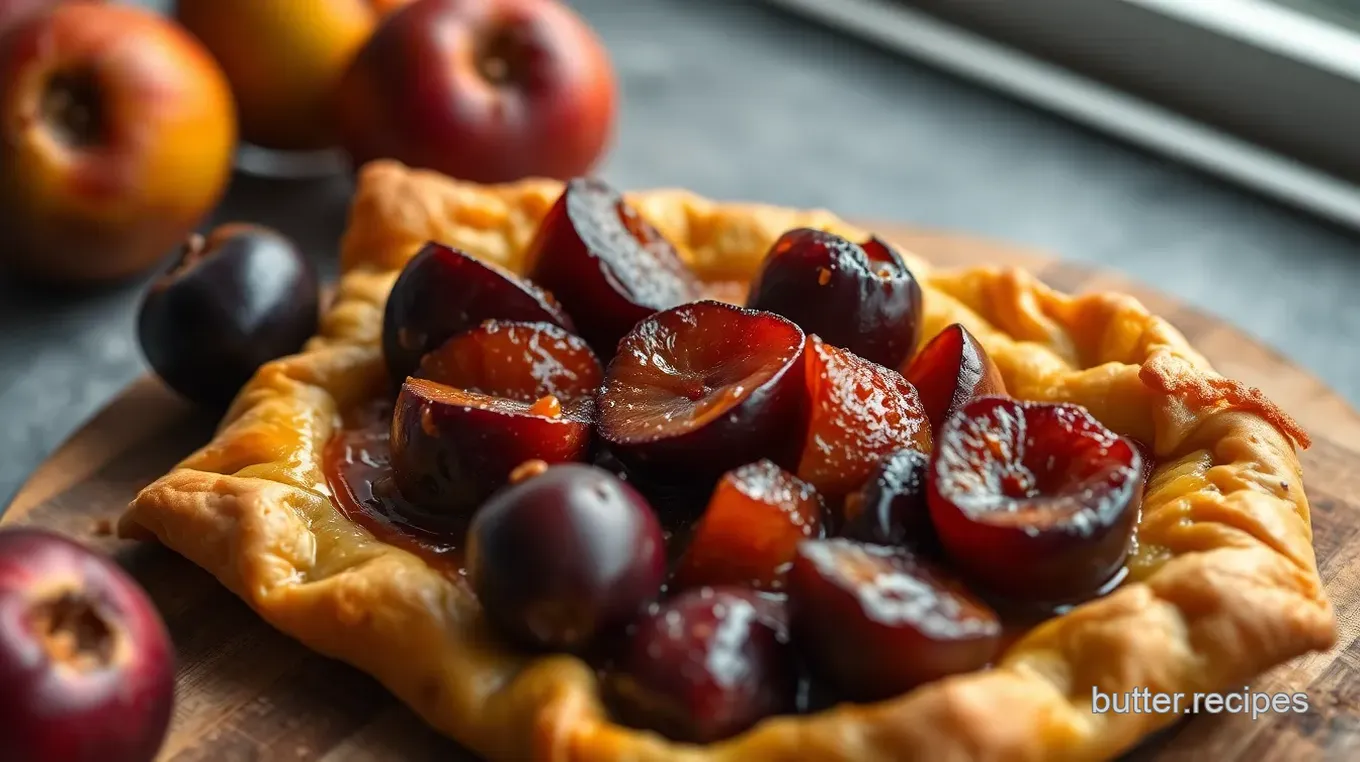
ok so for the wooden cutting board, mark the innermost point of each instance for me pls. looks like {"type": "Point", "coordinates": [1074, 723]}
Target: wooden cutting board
{"type": "Point", "coordinates": [246, 692]}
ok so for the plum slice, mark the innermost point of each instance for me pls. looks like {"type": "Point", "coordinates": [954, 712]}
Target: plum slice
{"type": "Point", "coordinates": [518, 361]}
{"type": "Point", "coordinates": [876, 621]}
{"type": "Point", "coordinates": [452, 448]}
{"type": "Point", "coordinates": [564, 557]}
{"type": "Point", "coordinates": [609, 267]}
{"type": "Point", "coordinates": [951, 369]}
{"type": "Point", "coordinates": [703, 388]}
{"type": "Point", "coordinates": [860, 297]}
{"type": "Point", "coordinates": [1035, 501]}
{"type": "Point", "coordinates": [891, 507]}
{"type": "Point", "coordinates": [859, 412]}
{"type": "Point", "coordinates": [754, 522]}
{"type": "Point", "coordinates": [442, 292]}
{"type": "Point", "coordinates": [87, 669]}
{"type": "Point", "coordinates": [707, 665]}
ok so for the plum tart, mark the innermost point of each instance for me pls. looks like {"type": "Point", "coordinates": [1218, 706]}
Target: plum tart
{"type": "Point", "coordinates": [588, 475]}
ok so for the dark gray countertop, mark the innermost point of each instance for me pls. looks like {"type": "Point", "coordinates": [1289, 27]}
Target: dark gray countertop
{"type": "Point", "coordinates": [738, 101]}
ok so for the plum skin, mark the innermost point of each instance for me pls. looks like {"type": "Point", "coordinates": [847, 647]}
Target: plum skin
{"type": "Point", "coordinates": [442, 292]}
{"type": "Point", "coordinates": [858, 296]}
{"type": "Point", "coordinates": [877, 621]}
{"type": "Point", "coordinates": [240, 297]}
{"type": "Point", "coordinates": [110, 697]}
{"type": "Point", "coordinates": [891, 507]}
{"type": "Point", "coordinates": [607, 265]}
{"type": "Point", "coordinates": [706, 665]}
{"type": "Point", "coordinates": [564, 557]}
{"type": "Point", "coordinates": [949, 371]}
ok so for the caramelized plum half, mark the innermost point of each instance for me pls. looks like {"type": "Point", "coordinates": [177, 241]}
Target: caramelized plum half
{"type": "Point", "coordinates": [564, 557]}
{"type": "Point", "coordinates": [608, 266]}
{"type": "Point", "coordinates": [442, 292]}
{"type": "Point", "coordinates": [860, 412]}
{"type": "Point", "coordinates": [754, 522]}
{"type": "Point", "coordinates": [452, 448]}
{"type": "Point", "coordinates": [518, 361]}
{"type": "Point", "coordinates": [860, 297]}
{"type": "Point", "coordinates": [703, 388]}
{"type": "Point", "coordinates": [707, 665]}
{"type": "Point", "coordinates": [876, 621]}
{"type": "Point", "coordinates": [891, 507]}
{"type": "Point", "coordinates": [950, 370]}
{"type": "Point", "coordinates": [1036, 501]}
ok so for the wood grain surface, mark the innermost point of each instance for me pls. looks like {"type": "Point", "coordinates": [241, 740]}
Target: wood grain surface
{"type": "Point", "coordinates": [247, 692]}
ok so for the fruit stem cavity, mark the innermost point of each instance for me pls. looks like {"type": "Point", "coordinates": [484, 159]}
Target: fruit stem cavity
{"type": "Point", "coordinates": [498, 57]}
{"type": "Point", "coordinates": [73, 109]}
{"type": "Point", "coordinates": [194, 250]}
{"type": "Point", "coordinates": [73, 632]}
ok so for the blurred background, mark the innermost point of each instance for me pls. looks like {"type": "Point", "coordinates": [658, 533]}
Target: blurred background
{"type": "Point", "coordinates": [1205, 149]}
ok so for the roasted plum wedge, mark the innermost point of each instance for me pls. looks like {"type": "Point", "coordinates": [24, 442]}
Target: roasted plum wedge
{"type": "Point", "coordinates": [706, 665]}
{"type": "Point", "coordinates": [876, 621]}
{"type": "Point", "coordinates": [703, 388]}
{"type": "Point", "coordinates": [950, 370]}
{"type": "Point", "coordinates": [564, 557]}
{"type": "Point", "coordinates": [860, 297]}
{"type": "Point", "coordinates": [750, 530]}
{"type": "Point", "coordinates": [609, 267]}
{"type": "Point", "coordinates": [442, 292]}
{"type": "Point", "coordinates": [518, 361]}
{"type": "Point", "coordinates": [858, 413]}
{"type": "Point", "coordinates": [1034, 501]}
{"type": "Point", "coordinates": [452, 448]}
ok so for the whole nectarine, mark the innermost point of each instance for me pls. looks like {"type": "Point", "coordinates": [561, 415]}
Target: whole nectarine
{"type": "Point", "coordinates": [483, 90]}
{"type": "Point", "coordinates": [284, 59]}
{"type": "Point", "coordinates": [116, 137]}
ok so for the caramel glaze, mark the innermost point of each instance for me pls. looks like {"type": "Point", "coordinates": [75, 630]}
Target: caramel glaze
{"type": "Point", "coordinates": [358, 467]}
{"type": "Point", "coordinates": [359, 473]}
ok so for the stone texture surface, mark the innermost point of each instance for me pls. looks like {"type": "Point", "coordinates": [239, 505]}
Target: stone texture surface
{"type": "Point", "coordinates": [740, 101]}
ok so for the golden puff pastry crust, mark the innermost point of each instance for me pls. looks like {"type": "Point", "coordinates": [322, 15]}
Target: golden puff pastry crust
{"type": "Point", "coordinates": [1223, 584]}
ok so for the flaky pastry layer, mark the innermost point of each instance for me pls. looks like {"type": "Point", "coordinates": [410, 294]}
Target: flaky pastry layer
{"type": "Point", "coordinates": [1222, 586]}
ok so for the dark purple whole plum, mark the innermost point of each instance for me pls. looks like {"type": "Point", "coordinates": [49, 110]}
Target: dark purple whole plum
{"type": "Point", "coordinates": [236, 299]}
{"type": "Point", "coordinates": [564, 557]}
